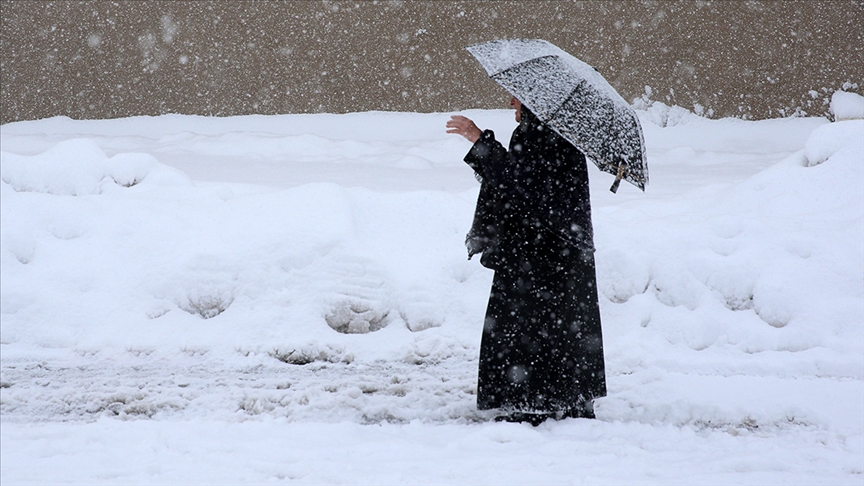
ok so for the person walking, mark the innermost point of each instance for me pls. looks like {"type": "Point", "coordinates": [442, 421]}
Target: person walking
{"type": "Point", "coordinates": [541, 352]}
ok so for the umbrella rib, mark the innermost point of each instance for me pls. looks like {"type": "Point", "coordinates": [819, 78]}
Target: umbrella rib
{"type": "Point", "coordinates": [563, 103]}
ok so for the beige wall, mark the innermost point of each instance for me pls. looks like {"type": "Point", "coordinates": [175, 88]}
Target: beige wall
{"type": "Point", "coordinates": [110, 59]}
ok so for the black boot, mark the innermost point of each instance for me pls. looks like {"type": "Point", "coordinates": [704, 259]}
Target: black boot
{"type": "Point", "coordinates": [581, 410]}
{"type": "Point", "coordinates": [534, 419]}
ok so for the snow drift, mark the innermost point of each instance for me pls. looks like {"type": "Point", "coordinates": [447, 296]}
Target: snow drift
{"type": "Point", "coordinates": [307, 273]}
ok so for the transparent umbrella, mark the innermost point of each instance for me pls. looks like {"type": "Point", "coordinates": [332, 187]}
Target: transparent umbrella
{"type": "Point", "coordinates": [573, 99]}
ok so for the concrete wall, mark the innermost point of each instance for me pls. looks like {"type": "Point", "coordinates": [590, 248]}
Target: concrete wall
{"type": "Point", "coordinates": [101, 59]}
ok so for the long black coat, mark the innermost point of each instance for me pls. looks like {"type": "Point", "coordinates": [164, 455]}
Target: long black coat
{"type": "Point", "coordinates": [542, 346]}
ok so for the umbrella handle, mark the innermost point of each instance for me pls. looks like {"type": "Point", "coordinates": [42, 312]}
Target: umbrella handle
{"type": "Point", "coordinates": [618, 178]}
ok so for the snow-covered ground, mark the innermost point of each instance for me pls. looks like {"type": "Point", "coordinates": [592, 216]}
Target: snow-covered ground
{"type": "Point", "coordinates": [287, 299]}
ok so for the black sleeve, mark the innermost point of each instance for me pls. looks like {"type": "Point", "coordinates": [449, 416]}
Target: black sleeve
{"type": "Point", "coordinates": [519, 184]}
{"type": "Point", "coordinates": [490, 160]}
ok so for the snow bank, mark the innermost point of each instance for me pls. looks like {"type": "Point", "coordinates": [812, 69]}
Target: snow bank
{"type": "Point", "coordinates": [143, 258]}
{"type": "Point", "coordinates": [224, 267]}
{"type": "Point", "coordinates": [755, 248]}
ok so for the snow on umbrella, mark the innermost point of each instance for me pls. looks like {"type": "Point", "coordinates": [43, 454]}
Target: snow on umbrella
{"type": "Point", "coordinates": [573, 99]}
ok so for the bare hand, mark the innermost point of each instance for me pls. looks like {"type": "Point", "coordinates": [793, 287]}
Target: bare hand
{"type": "Point", "coordinates": [465, 127]}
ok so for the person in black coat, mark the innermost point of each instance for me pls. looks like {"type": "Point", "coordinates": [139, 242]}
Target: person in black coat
{"type": "Point", "coordinates": [541, 353]}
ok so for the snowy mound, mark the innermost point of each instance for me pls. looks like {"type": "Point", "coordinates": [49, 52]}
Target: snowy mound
{"type": "Point", "coordinates": [847, 106]}
{"type": "Point", "coordinates": [79, 167]}
{"type": "Point", "coordinates": [843, 140]}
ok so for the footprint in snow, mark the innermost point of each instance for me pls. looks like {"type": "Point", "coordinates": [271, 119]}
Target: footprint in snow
{"type": "Point", "coordinates": [359, 302]}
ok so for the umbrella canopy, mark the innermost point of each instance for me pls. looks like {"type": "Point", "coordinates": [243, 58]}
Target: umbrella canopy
{"type": "Point", "coordinates": [573, 99]}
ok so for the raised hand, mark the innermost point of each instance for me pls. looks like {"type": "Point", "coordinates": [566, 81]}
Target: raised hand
{"type": "Point", "coordinates": [461, 125]}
